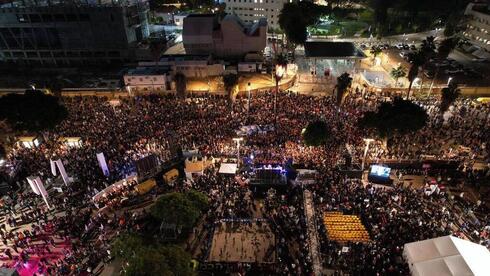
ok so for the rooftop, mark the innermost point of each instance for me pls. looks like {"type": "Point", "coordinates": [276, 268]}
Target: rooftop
{"type": "Point", "coordinates": [332, 50]}
{"type": "Point", "coordinates": [75, 3]}
{"type": "Point", "coordinates": [148, 71]}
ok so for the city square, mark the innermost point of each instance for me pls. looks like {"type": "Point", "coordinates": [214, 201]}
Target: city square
{"type": "Point", "coordinates": [312, 138]}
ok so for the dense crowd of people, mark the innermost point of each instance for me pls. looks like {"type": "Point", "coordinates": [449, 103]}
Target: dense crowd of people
{"type": "Point", "coordinates": [152, 124]}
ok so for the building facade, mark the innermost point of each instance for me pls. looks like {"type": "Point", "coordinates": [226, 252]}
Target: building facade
{"type": "Point", "coordinates": [148, 79]}
{"type": "Point", "coordinates": [190, 66]}
{"type": "Point", "coordinates": [72, 33]}
{"type": "Point", "coordinates": [251, 11]}
{"type": "Point", "coordinates": [478, 25]}
{"type": "Point", "coordinates": [205, 34]}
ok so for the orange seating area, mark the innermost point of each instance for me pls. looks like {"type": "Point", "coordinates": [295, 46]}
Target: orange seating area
{"type": "Point", "coordinates": [344, 228]}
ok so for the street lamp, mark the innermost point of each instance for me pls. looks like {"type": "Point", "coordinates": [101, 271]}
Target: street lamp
{"type": "Point", "coordinates": [449, 80]}
{"type": "Point", "coordinates": [248, 107]}
{"type": "Point", "coordinates": [238, 140]}
{"type": "Point", "coordinates": [278, 74]}
{"type": "Point", "coordinates": [367, 141]}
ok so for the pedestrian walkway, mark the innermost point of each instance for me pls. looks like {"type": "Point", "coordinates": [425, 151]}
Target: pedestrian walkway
{"type": "Point", "coordinates": [312, 232]}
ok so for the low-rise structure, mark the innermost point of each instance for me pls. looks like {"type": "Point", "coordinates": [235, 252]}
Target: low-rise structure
{"type": "Point", "coordinates": [190, 66]}
{"type": "Point", "coordinates": [151, 79]}
{"type": "Point", "coordinates": [205, 34]}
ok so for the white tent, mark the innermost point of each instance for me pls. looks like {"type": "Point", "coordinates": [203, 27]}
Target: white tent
{"type": "Point", "coordinates": [447, 255]}
{"type": "Point", "coordinates": [228, 168]}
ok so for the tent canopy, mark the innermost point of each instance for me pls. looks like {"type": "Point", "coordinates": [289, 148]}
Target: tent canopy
{"type": "Point", "coordinates": [447, 255]}
{"type": "Point", "coordinates": [228, 168]}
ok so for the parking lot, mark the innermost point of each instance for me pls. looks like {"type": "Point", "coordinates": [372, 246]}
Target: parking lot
{"type": "Point", "coordinates": [459, 67]}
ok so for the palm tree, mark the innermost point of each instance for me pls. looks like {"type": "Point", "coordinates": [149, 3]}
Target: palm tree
{"type": "Point", "coordinates": [428, 47]}
{"type": "Point", "coordinates": [445, 48]}
{"type": "Point", "coordinates": [344, 81]}
{"type": "Point", "coordinates": [417, 59]}
{"type": "Point", "coordinates": [449, 94]}
{"type": "Point", "coordinates": [55, 85]}
{"type": "Point", "coordinates": [375, 51]}
{"type": "Point", "coordinates": [397, 73]}
{"type": "Point", "coordinates": [180, 85]}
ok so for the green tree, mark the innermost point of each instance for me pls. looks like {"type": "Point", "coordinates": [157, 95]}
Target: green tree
{"type": "Point", "coordinates": [398, 117]}
{"type": "Point", "coordinates": [176, 208]}
{"type": "Point", "coordinates": [143, 258]}
{"type": "Point", "coordinates": [449, 94]}
{"type": "Point", "coordinates": [295, 17]}
{"type": "Point", "coordinates": [127, 245]}
{"type": "Point", "coordinates": [55, 86]}
{"type": "Point", "coordinates": [230, 81]}
{"type": "Point", "coordinates": [397, 73]}
{"type": "Point", "coordinates": [200, 200]}
{"type": "Point", "coordinates": [445, 48]}
{"type": "Point", "coordinates": [32, 111]}
{"type": "Point", "coordinates": [317, 133]}
{"type": "Point", "coordinates": [3, 152]}
{"type": "Point", "coordinates": [178, 259]}
{"type": "Point", "coordinates": [148, 262]}
{"type": "Point", "coordinates": [180, 85]}
{"type": "Point", "coordinates": [344, 81]}
{"type": "Point", "coordinates": [375, 51]}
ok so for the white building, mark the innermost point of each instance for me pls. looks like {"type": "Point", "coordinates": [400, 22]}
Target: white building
{"type": "Point", "coordinates": [478, 25]}
{"type": "Point", "coordinates": [252, 10]}
{"type": "Point", "coordinates": [179, 19]}
{"type": "Point", "coordinates": [148, 79]}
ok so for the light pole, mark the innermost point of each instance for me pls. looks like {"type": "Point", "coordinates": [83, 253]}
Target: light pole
{"type": "Point", "coordinates": [368, 141]}
{"type": "Point", "coordinates": [238, 140]}
{"type": "Point", "coordinates": [278, 74]}
{"type": "Point", "coordinates": [248, 107]}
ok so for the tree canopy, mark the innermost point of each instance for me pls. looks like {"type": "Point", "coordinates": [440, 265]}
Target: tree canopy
{"type": "Point", "coordinates": [344, 81]}
{"type": "Point", "coordinates": [397, 117]}
{"type": "Point", "coordinates": [397, 73]}
{"type": "Point", "coordinates": [181, 209]}
{"type": "Point", "coordinates": [180, 84]}
{"type": "Point", "coordinates": [295, 17]}
{"type": "Point", "coordinates": [32, 111]}
{"type": "Point", "coordinates": [449, 94]}
{"type": "Point", "coordinates": [317, 133]}
{"type": "Point", "coordinates": [3, 152]}
{"type": "Point", "coordinates": [155, 259]}
{"type": "Point", "coordinates": [229, 82]}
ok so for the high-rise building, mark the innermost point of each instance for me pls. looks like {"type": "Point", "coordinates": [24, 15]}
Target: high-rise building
{"type": "Point", "coordinates": [478, 24]}
{"type": "Point", "coordinates": [57, 32]}
{"type": "Point", "coordinates": [252, 10]}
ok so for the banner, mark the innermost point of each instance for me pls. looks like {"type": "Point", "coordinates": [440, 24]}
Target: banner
{"type": "Point", "coordinates": [61, 168]}
{"type": "Point", "coordinates": [38, 187]}
{"type": "Point", "coordinates": [32, 182]}
{"type": "Point", "coordinates": [102, 163]}
{"type": "Point", "coordinates": [53, 167]}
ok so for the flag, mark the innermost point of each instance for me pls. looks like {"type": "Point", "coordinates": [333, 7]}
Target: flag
{"type": "Point", "coordinates": [61, 168]}
{"type": "Point", "coordinates": [53, 167]}
{"type": "Point", "coordinates": [102, 163]}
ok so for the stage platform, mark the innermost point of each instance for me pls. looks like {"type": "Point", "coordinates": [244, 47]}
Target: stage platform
{"type": "Point", "coordinates": [242, 241]}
